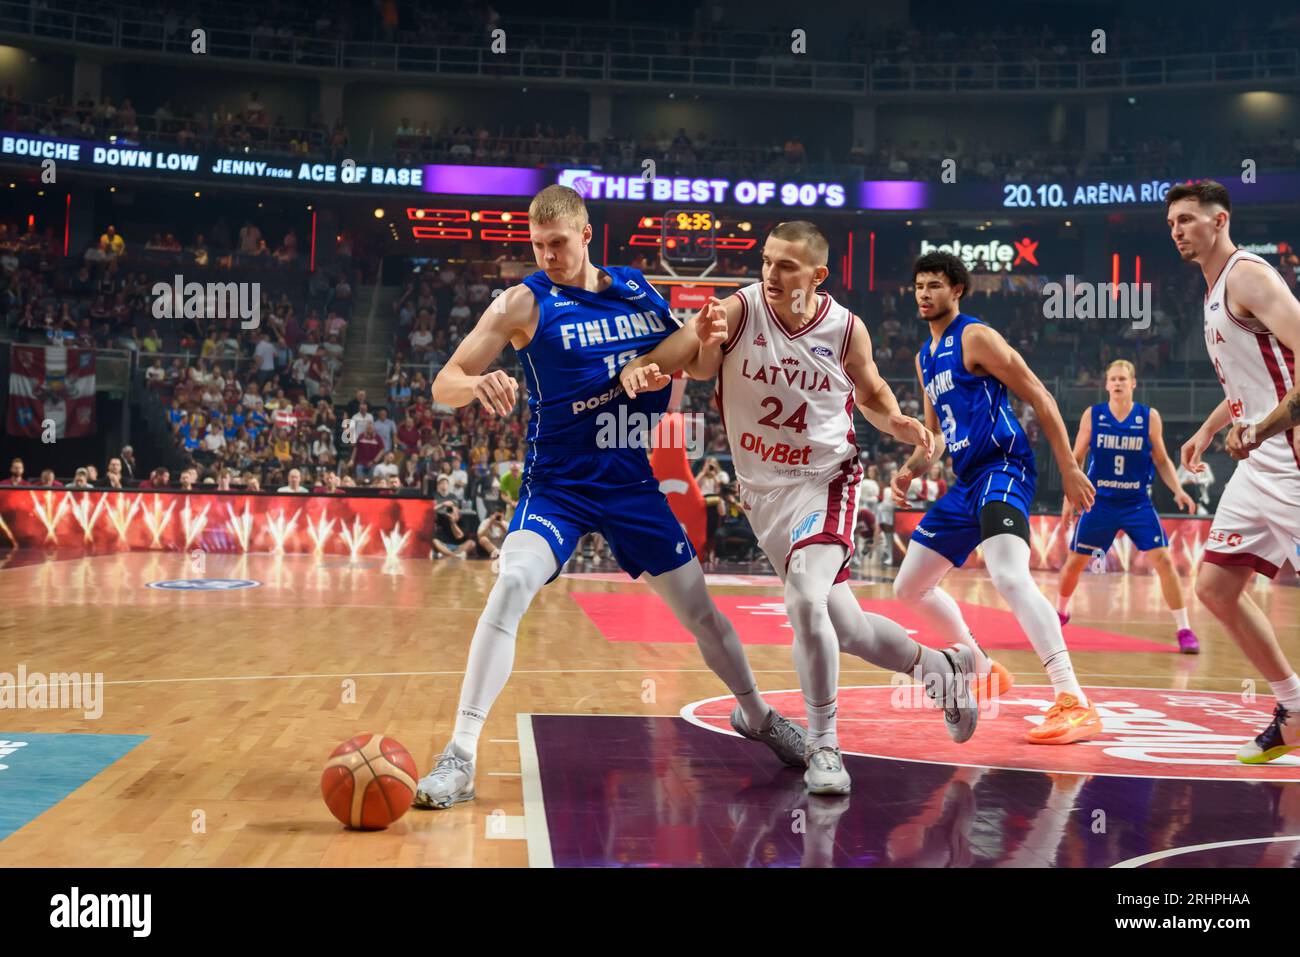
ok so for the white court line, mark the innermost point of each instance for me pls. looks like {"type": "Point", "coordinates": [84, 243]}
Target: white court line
{"type": "Point", "coordinates": [504, 774]}
{"type": "Point", "coordinates": [535, 829]}
{"type": "Point", "coordinates": [1194, 848]}
{"type": "Point", "coordinates": [503, 740]}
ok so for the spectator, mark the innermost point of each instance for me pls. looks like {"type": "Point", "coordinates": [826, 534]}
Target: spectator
{"type": "Point", "coordinates": [81, 482]}
{"type": "Point", "coordinates": [112, 242]}
{"type": "Point", "coordinates": [331, 484]}
{"type": "Point", "coordinates": [114, 473]}
{"type": "Point", "coordinates": [361, 421]}
{"type": "Point", "coordinates": [295, 486]}
{"type": "Point", "coordinates": [386, 469]}
{"type": "Point", "coordinates": [48, 480]}
{"type": "Point", "coordinates": [492, 533]}
{"type": "Point", "coordinates": [264, 357]}
{"type": "Point", "coordinates": [15, 479]}
{"type": "Point", "coordinates": [459, 478]}
{"type": "Point", "coordinates": [386, 429]}
{"type": "Point", "coordinates": [159, 478]}
{"type": "Point", "coordinates": [448, 536]}
{"type": "Point", "coordinates": [368, 448]}
{"type": "Point", "coordinates": [509, 485]}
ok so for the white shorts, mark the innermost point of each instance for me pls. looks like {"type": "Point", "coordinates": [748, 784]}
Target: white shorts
{"type": "Point", "coordinates": [821, 510]}
{"type": "Point", "coordinates": [1257, 522]}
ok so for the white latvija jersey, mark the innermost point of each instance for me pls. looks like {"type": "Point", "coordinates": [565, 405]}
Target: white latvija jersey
{"type": "Point", "coordinates": [786, 400]}
{"type": "Point", "coordinates": [1255, 369]}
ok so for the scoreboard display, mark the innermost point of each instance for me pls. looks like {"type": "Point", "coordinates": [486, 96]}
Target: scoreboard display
{"type": "Point", "coordinates": [688, 237]}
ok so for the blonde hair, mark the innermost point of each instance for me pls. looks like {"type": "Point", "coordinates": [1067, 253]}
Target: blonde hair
{"type": "Point", "coordinates": [558, 203]}
{"type": "Point", "coordinates": [802, 231]}
{"type": "Point", "coordinates": [1124, 364]}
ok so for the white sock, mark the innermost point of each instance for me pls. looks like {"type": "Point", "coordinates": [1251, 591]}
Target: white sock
{"type": "Point", "coordinates": [526, 563]}
{"type": "Point", "coordinates": [1287, 692]}
{"type": "Point", "coordinates": [1180, 617]}
{"type": "Point", "coordinates": [821, 724]}
{"type": "Point", "coordinates": [1061, 673]}
{"type": "Point", "coordinates": [1063, 603]}
{"type": "Point", "coordinates": [1007, 560]}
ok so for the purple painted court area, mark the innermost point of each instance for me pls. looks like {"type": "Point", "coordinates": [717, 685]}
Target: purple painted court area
{"type": "Point", "coordinates": [660, 792]}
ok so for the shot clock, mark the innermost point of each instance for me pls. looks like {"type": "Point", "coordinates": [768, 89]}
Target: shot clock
{"type": "Point", "coordinates": [688, 237]}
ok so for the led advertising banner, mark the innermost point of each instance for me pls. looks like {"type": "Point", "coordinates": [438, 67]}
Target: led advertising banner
{"type": "Point", "coordinates": [106, 521]}
{"type": "Point", "coordinates": [449, 179]}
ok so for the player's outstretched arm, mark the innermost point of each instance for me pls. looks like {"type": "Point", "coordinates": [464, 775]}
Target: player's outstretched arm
{"type": "Point", "coordinates": [1262, 294]}
{"type": "Point", "coordinates": [873, 395]}
{"type": "Point", "coordinates": [1190, 454]}
{"type": "Point", "coordinates": [1082, 441]}
{"type": "Point", "coordinates": [654, 370]}
{"type": "Point", "coordinates": [989, 353]}
{"type": "Point", "coordinates": [919, 462]}
{"type": "Point", "coordinates": [1165, 465]}
{"type": "Point", "coordinates": [714, 326]}
{"type": "Point", "coordinates": [461, 380]}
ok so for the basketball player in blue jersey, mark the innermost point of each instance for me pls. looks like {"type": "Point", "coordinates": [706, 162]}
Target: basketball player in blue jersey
{"type": "Point", "coordinates": [1123, 444]}
{"type": "Point", "coordinates": [573, 325]}
{"type": "Point", "coordinates": [965, 371]}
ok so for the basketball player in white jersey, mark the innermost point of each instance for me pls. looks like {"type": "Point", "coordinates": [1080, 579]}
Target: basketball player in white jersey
{"type": "Point", "coordinates": [1252, 333]}
{"type": "Point", "coordinates": [790, 365]}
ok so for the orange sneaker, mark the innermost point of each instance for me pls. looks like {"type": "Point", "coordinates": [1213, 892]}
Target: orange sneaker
{"type": "Point", "coordinates": [1067, 721]}
{"type": "Point", "coordinates": [995, 683]}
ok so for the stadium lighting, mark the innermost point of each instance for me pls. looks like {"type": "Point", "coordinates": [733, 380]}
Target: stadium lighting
{"type": "Point", "coordinates": [379, 212]}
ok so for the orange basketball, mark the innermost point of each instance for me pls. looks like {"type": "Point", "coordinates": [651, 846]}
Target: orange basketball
{"type": "Point", "coordinates": [369, 782]}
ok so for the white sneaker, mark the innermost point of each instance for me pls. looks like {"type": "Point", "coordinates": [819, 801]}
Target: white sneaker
{"type": "Point", "coordinates": [826, 774]}
{"type": "Point", "coordinates": [450, 782]}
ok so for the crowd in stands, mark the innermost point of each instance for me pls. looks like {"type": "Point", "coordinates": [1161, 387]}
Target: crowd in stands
{"type": "Point", "coordinates": [247, 128]}
{"type": "Point", "coordinates": [288, 28]}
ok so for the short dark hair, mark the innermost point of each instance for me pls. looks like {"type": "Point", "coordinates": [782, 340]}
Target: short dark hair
{"type": "Point", "coordinates": [1205, 192]}
{"type": "Point", "coordinates": [802, 231]}
{"type": "Point", "coordinates": [946, 264]}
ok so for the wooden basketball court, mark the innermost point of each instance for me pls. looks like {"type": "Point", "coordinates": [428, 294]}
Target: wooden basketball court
{"type": "Point", "coordinates": [228, 702]}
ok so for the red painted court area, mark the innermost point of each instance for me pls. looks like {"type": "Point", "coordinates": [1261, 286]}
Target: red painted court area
{"type": "Point", "coordinates": [1147, 732]}
{"type": "Point", "coordinates": [762, 620]}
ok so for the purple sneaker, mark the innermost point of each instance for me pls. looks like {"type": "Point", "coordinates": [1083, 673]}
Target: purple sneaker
{"type": "Point", "coordinates": [1187, 643]}
{"type": "Point", "coordinates": [1065, 619]}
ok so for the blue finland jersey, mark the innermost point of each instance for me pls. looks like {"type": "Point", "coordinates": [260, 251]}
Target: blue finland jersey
{"type": "Point", "coordinates": [571, 365]}
{"type": "Point", "coordinates": [979, 426]}
{"type": "Point", "coordinates": [1120, 463]}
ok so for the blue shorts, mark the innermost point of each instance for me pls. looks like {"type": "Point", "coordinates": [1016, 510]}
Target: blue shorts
{"type": "Point", "coordinates": [612, 493]}
{"type": "Point", "coordinates": [1096, 528]}
{"type": "Point", "coordinates": [952, 525]}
